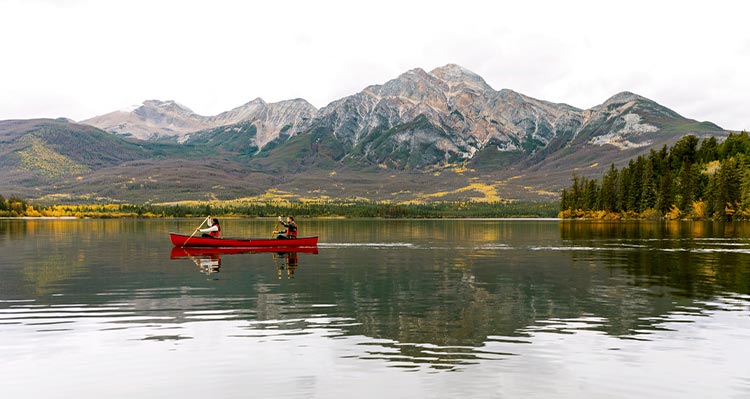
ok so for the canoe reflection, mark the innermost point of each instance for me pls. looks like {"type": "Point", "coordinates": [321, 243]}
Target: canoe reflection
{"type": "Point", "coordinates": [208, 260]}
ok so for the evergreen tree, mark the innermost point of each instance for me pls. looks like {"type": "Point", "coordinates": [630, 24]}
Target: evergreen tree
{"type": "Point", "coordinates": [745, 188]}
{"type": "Point", "coordinates": [664, 158]}
{"type": "Point", "coordinates": [623, 188]}
{"type": "Point", "coordinates": [709, 150]}
{"type": "Point", "coordinates": [728, 188]}
{"type": "Point", "coordinates": [608, 194]}
{"type": "Point", "coordinates": [648, 191]}
{"type": "Point", "coordinates": [665, 196]}
{"type": "Point", "coordinates": [712, 194]}
{"type": "Point", "coordinates": [735, 145]}
{"type": "Point", "coordinates": [684, 151]}
{"type": "Point", "coordinates": [636, 185]}
{"type": "Point", "coordinates": [686, 186]}
{"type": "Point", "coordinates": [656, 163]}
{"type": "Point", "coordinates": [701, 184]}
{"type": "Point", "coordinates": [577, 194]}
{"type": "Point", "coordinates": [564, 200]}
{"type": "Point", "coordinates": [591, 195]}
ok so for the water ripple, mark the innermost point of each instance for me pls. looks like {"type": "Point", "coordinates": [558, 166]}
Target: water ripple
{"type": "Point", "coordinates": [372, 245]}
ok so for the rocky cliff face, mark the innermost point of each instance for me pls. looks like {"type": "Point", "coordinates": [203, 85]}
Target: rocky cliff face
{"type": "Point", "coordinates": [250, 128]}
{"type": "Point", "coordinates": [240, 114]}
{"type": "Point", "coordinates": [442, 116]}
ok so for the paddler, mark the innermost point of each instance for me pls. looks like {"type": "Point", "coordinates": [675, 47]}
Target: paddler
{"type": "Point", "coordinates": [213, 229]}
{"type": "Point", "coordinates": [291, 229]}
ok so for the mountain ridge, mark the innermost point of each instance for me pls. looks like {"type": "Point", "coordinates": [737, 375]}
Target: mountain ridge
{"type": "Point", "coordinates": [439, 135]}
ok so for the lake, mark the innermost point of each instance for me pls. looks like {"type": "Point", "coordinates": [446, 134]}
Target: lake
{"type": "Point", "coordinates": [382, 308]}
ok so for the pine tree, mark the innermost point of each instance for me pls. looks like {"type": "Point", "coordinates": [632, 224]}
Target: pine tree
{"type": "Point", "coordinates": [734, 145]}
{"type": "Point", "coordinates": [684, 151]}
{"type": "Point", "coordinates": [709, 150]}
{"type": "Point", "coordinates": [633, 200]}
{"type": "Point", "coordinates": [564, 200]}
{"type": "Point", "coordinates": [591, 195]}
{"type": "Point", "coordinates": [712, 194]}
{"type": "Point", "coordinates": [608, 194]}
{"type": "Point", "coordinates": [686, 186]}
{"type": "Point", "coordinates": [728, 188]}
{"type": "Point", "coordinates": [648, 191]}
{"type": "Point", "coordinates": [665, 196]}
{"type": "Point", "coordinates": [576, 200]}
{"type": "Point", "coordinates": [745, 188]}
{"type": "Point", "coordinates": [623, 188]}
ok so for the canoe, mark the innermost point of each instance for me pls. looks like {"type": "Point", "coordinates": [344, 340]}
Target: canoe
{"type": "Point", "coordinates": [186, 252]}
{"type": "Point", "coordinates": [182, 240]}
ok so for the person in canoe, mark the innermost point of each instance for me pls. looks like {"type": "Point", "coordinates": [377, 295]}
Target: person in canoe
{"type": "Point", "coordinates": [291, 229]}
{"type": "Point", "coordinates": [213, 229]}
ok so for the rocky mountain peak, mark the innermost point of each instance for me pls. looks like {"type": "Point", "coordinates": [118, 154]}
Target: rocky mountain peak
{"type": "Point", "coordinates": [412, 77]}
{"type": "Point", "coordinates": [416, 72]}
{"type": "Point", "coordinates": [635, 103]}
{"type": "Point", "coordinates": [456, 75]}
{"type": "Point", "coordinates": [166, 106]}
{"type": "Point", "coordinates": [169, 113]}
{"type": "Point", "coordinates": [622, 98]}
{"type": "Point", "coordinates": [297, 103]}
{"type": "Point", "coordinates": [413, 86]}
{"type": "Point", "coordinates": [257, 102]}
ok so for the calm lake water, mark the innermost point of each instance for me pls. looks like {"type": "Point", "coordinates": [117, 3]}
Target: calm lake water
{"type": "Point", "coordinates": [383, 308]}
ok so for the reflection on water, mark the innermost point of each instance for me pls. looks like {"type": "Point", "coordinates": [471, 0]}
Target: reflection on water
{"type": "Point", "coordinates": [208, 260]}
{"type": "Point", "coordinates": [600, 308]}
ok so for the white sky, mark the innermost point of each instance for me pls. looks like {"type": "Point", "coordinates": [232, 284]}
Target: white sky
{"type": "Point", "coordinates": [79, 58]}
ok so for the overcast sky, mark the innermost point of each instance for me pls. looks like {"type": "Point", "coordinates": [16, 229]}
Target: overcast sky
{"type": "Point", "coordinates": [78, 58]}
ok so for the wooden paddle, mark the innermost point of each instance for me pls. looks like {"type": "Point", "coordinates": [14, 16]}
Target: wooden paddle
{"type": "Point", "coordinates": [196, 230]}
{"type": "Point", "coordinates": [273, 234]}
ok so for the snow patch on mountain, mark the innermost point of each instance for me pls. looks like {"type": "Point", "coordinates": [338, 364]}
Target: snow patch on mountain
{"type": "Point", "coordinates": [624, 137]}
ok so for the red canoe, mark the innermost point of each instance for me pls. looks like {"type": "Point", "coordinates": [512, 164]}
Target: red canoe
{"type": "Point", "coordinates": [182, 240]}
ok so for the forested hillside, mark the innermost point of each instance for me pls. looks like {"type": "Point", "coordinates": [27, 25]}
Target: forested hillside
{"type": "Point", "coordinates": [693, 179]}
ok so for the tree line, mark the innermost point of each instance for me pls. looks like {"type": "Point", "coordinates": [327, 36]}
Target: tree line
{"type": "Point", "coordinates": [354, 209]}
{"type": "Point", "coordinates": [15, 206]}
{"type": "Point", "coordinates": [693, 179]}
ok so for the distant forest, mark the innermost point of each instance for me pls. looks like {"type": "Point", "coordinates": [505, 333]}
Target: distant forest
{"type": "Point", "coordinates": [690, 180]}
{"type": "Point", "coordinates": [17, 207]}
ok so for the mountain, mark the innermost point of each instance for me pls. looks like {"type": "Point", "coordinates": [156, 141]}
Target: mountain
{"type": "Point", "coordinates": [160, 120]}
{"type": "Point", "coordinates": [438, 135]}
{"type": "Point", "coordinates": [625, 124]}
{"type": "Point", "coordinates": [38, 152]}
{"type": "Point", "coordinates": [151, 120]}
{"type": "Point", "coordinates": [66, 161]}
{"type": "Point", "coordinates": [249, 128]}
{"type": "Point", "coordinates": [423, 119]}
